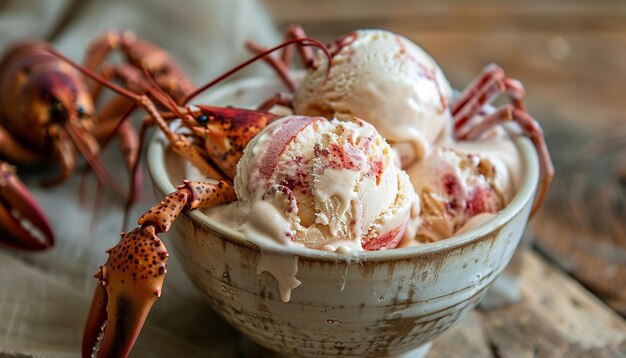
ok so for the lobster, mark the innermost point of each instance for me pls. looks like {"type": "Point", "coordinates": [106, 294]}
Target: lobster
{"type": "Point", "coordinates": [212, 139]}
{"type": "Point", "coordinates": [47, 111]}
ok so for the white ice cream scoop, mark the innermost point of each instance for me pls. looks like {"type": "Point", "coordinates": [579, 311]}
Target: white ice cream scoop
{"type": "Point", "coordinates": [385, 79]}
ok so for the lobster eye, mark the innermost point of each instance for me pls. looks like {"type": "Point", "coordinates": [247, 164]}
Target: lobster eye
{"type": "Point", "coordinates": [56, 109]}
{"type": "Point", "coordinates": [202, 119]}
{"type": "Point", "coordinates": [80, 110]}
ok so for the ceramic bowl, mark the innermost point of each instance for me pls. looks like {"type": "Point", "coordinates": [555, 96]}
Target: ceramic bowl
{"type": "Point", "coordinates": [382, 303]}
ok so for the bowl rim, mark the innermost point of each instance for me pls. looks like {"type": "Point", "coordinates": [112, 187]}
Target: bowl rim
{"type": "Point", "coordinates": [156, 162]}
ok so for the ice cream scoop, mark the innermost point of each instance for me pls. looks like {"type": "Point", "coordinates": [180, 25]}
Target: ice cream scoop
{"type": "Point", "coordinates": [325, 184]}
{"type": "Point", "coordinates": [459, 182]}
{"type": "Point", "coordinates": [385, 79]}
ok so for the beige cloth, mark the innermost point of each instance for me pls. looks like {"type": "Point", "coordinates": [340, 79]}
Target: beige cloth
{"type": "Point", "coordinates": [44, 297]}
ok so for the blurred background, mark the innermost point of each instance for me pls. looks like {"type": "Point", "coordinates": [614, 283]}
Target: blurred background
{"type": "Point", "coordinates": [570, 55]}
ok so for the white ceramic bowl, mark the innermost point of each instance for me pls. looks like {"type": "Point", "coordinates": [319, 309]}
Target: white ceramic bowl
{"type": "Point", "coordinates": [385, 303]}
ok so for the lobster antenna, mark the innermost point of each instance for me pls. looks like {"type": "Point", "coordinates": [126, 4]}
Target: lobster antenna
{"type": "Point", "coordinates": [160, 95]}
{"type": "Point", "coordinates": [166, 100]}
{"type": "Point", "coordinates": [305, 41]}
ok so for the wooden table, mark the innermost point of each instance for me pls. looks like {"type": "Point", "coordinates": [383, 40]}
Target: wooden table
{"type": "Point", "coordinates": [571, 56]}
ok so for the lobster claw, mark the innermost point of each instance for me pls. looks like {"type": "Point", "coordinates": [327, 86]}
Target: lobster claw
{"type": "Point", "coordinates": [23, 224]}
{"type": "Point", "coordinates": [128, 285]}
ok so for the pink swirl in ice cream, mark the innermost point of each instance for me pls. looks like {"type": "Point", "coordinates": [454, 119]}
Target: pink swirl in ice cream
{"type": "Point", "coordinates": [330, 185]}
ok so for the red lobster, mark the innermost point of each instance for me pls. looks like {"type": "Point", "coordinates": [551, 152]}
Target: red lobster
{"type": "Point", "coordinates": [131, 280]}
{"type": "Point", "coordinates": [47, 112]}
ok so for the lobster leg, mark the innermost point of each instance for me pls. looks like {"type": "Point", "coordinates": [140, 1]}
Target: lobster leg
{"type": "Point", "coordinates": [13, 151]}
{"type": "Point", "coordinates": [306, 53]}
{"type": "Point", "coordinates": [280, 98]}
{"type": "Point", "coordinates": [129, 143]}
{"type": "Point", "coordinates": [483, 90]}
{"type": "Point", "coordinates": [116, 110]}
{"type": "Point", "coordinates": [118, 105]}
{"type": "Point", "coordinates": [143, 55]}
{"type": "Point", "coordinates": [131, 280]}
{"type": "Point", "coordinates": [18, 207]}
{"type": "Point", "coordinates": [136, 81]}
{"type": "Point", "coordinates": [98, 50]}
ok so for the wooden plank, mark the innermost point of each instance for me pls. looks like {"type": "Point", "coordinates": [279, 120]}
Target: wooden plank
{"type": "Point", "coordinates": [465, 339]}
{"type": "Point", "coordinates": [556, 317]}
{"type": "Point", "coordinates": [583, 224]}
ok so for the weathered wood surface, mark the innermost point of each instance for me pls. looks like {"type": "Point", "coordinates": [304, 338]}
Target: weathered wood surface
{"type": "Point", "coordinates": [556, 317]}
{"type": "Point", "coordinates": [583, 226]}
